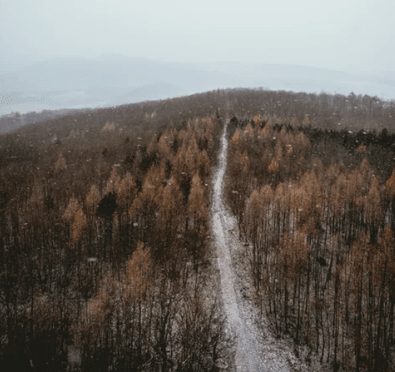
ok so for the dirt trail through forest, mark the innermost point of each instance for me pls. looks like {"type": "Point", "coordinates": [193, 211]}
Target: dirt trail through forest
{"type": "Point", "coordinates": [255, 352]}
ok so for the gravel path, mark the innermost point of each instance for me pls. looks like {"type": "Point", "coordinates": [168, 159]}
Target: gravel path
{"type": "Point", "coordinates": [256, 350]}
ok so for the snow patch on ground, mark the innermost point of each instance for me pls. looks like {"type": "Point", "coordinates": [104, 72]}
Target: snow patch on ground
{"type": "Point", "coordinates": [279, 352]}
{"type": "Point", "coordinates": [256, 349]}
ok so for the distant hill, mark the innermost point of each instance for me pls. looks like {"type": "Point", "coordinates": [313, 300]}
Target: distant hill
{"type": "Point", "coordinates": [306, 79]}
{"type": "Point", "coordinates": [113, 79]}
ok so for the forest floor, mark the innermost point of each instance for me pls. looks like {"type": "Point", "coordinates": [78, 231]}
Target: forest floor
{"type": "Point", "coordinates": [256, 347]}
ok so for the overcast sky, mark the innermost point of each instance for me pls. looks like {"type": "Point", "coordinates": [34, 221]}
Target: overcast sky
{"type": "Point", "coordinates": [348, 35]}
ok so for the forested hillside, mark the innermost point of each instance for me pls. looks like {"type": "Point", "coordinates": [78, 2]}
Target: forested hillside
{"type": "Point", "coordinates": [316, 210]}
{"type": "Point", "coordinates": [326, 111]}
{"type": "Point", "coordinates": [104, 248]}
{"type": "Point", "coordinates": [107, 260]}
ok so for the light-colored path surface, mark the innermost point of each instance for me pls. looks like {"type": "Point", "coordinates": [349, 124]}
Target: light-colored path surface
{"type": "Point", "coordinates": [253, 354]}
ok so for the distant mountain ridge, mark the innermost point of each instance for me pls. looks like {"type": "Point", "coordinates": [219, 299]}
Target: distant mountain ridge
{"type": "Point", "coordinates": [117, 79]}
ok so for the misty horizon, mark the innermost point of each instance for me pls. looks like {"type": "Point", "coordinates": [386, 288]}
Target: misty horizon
{"type": "Point", "coordinates": [339, 47]}
{"type": "Point", "coordinates": [340, 35]}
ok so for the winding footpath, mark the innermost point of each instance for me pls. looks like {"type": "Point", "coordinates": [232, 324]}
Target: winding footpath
{"type": "Point", "coordinates": [255, 352]}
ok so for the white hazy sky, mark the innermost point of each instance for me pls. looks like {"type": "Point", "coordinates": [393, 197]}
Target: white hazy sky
{"type": "Point", "coordinates": [348, 35]}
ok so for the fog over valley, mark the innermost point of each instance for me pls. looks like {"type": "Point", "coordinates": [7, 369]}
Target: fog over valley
{"type": "Point", "coordinates": [114, 79]}
{"type": "Point", "coordinates": [92, 54]}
